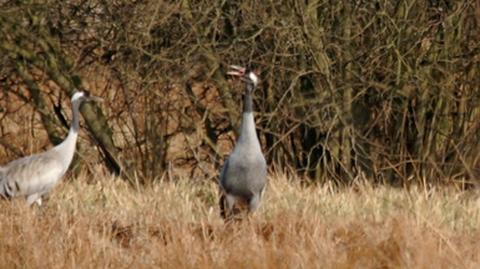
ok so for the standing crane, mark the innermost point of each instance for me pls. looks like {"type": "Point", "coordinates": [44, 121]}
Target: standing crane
{"type": "Point", "coordinates": [243, 175]}
{"type": "Point", "coordinates": [34, 176]}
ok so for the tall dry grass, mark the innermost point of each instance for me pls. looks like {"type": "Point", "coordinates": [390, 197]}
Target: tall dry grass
{"type": "Point", "coordinates": [105, 223]}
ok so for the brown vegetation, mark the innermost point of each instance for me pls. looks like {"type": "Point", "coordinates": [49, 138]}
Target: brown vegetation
{"type": "Point", "coordinates": [388, 89]}
{"type": "Point", "coordinates": [382, 91]}
{"type": "Point", "coordinates": [177, 225]}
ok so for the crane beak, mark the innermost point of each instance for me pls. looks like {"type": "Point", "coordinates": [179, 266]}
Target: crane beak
{"type": "Point", "coordinates": [236, 70]}
{"type": "Point", "coordinates": [90, 97]}
{"type": "Point", "coordinates": [95, 98]}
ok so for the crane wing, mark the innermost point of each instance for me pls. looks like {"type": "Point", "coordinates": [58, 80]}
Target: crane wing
{"type": "Point", "coordinates": [32, 174]}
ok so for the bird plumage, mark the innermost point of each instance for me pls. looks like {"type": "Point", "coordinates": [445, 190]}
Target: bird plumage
{"type": "Point", "coordinates": [243, 175]}
{"type": "Point", "coordinates": [33, 176]}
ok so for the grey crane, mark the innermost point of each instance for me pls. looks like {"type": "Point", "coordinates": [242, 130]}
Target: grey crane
{"type": "Point", "coordinates": [243, 175]}
{"type": "Point", "coordinates": [34, 176]}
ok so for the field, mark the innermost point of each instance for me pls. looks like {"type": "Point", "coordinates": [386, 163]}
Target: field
{"type": "Point", "coordinates": [388, 90]}
{"type": "Point", "coordinates": [102, 222]}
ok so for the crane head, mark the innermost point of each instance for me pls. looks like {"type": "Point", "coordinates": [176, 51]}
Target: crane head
{"type": "Point", "coordinates": [81, 96]}
{"type": "Point", "coordinates": [245, 74]}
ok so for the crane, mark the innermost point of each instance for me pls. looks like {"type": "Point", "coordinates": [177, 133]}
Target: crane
{"type": "Point", "coordinates": [243, 175]}
{"type": "Point", "coordinates": [35, 175]}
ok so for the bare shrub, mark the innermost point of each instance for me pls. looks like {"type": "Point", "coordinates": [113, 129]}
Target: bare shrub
{"type": "Point", "coordinates": [386, 89]}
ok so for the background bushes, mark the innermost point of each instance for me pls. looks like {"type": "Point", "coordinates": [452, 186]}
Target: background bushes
{"type": "Point", "coordinates": [384, 89]}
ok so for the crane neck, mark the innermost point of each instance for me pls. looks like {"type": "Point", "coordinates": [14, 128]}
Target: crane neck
{"type": "Point", "coordinates": [75, 117]}
{"type": "Point", "coordinates": [248, 133]}
{"type": "Point", "coordinates": [247, 99]}
{"type": "Point", "coordinates": [66, 149]}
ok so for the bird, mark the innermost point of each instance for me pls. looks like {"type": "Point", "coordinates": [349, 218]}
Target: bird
{"type": "Point", "coordinates": [243, 175]}
{"type": "Point", "coordinates": [34, 176]}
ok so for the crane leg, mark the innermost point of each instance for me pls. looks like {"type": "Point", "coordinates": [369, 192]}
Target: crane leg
{"type": "Point", "coordinates": [254, 203]}
{"type": "Point", "coordinates": [34, 198]}
{"type": "Point", "coordinates": [226, 205]}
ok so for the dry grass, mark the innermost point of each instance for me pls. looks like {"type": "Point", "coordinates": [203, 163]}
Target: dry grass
{"type": "Point", "coordinates": [176, 225]}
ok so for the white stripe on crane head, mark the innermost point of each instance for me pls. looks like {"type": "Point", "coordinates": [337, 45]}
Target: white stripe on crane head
{"type": "Point", "coordinates": [76, 96]}
{"type": "Point", "coordinates": [253, 78]}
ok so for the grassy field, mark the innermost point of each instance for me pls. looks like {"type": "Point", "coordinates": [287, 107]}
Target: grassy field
{"type": "Point", "coordinates": [108, 224]}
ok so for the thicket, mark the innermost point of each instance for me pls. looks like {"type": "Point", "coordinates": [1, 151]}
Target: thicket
{"type": "Point", "coordinates": [385, 89]}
